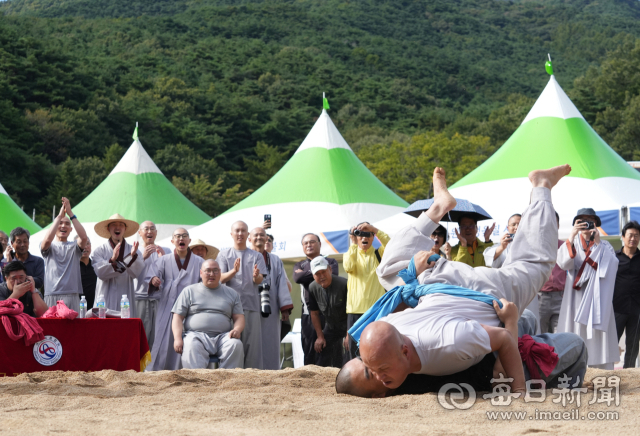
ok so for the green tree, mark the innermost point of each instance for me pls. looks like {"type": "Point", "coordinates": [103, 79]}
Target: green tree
{"type": "Point", "coordinates": [213, 199]}
{"type": "Point", "coordinates": [407, 167]}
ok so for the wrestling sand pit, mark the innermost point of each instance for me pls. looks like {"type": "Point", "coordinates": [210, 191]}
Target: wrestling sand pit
{"type": "Point", "coordinates": [288, 402]}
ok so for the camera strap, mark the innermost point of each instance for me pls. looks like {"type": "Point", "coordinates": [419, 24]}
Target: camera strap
{"type": "Point", "coordinates": [378, 256]}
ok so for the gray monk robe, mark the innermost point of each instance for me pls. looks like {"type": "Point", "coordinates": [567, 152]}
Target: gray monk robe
{"type": "Point", "coordinates": [587, 304]}
{"type": "Point", "coordinates": [147, 305]}
{"type": "Point", "coordinates": [280, 302]}
{"type": "Point", "coordinates": [116, 278]}
{"type": "Point", "coordinates": [175, 276]}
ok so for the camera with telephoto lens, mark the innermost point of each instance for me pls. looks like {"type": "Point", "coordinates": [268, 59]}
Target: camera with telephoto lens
{"type": "Point", "coordinates": [265, 299]}
{"type": "Point", "coordinates": [362, 234]}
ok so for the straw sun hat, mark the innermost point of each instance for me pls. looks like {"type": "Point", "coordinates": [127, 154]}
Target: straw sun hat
{"type": "Point", "coordinates": [102, 228]}
{"type": "Point", "coordinates": [212, 252]}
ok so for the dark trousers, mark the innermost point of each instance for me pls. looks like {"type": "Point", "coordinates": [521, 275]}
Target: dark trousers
{"type": "Point", "coordinates": [632, 325]}
{"type": "Point", "coordinates": [309, 337]}
{"type": "Point", "coordinates": [332, 355]}
{"type": "Point", "coordinates": [353, 346]}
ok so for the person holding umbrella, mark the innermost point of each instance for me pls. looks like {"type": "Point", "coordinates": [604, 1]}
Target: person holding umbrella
{"type": "Point", "coordinates": [469, 250]}
{"type": "Point", "coordinates": [466, 214]}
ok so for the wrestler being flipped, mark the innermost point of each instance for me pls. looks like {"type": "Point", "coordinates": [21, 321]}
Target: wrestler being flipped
{"type": "Point", "coordinates": [457, 321]}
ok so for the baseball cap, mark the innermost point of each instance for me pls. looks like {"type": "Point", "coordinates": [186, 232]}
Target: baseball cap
{"type": "Point", "coordinates": [318, 263]}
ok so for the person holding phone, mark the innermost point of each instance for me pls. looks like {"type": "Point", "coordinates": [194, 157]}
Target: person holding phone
{"type": "Point", "coordinates": [587, 304]}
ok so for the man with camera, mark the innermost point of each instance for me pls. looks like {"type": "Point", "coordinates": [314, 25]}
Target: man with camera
{"type": "Point", "coordinates": [587, 304]}
{"type": "Point", "coordinates": [328, 294]}
{"type": "Point", "coordinates": [275, 299]}
{"type": "Point", "coordinates": [360, 262]}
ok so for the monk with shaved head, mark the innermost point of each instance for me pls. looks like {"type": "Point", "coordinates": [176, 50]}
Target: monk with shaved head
{"type": "Point", "coordinates": [456, 310]}
{"type": "Point", "coordinates": [170, 274]}
{"type": "Point", "coordinates": [243, 270]}
{"type": "Point", "coordinates": [147, 304]}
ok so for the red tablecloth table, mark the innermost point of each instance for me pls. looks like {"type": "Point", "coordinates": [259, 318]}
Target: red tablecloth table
{"type": "Point", "coordinates": [87, 345]}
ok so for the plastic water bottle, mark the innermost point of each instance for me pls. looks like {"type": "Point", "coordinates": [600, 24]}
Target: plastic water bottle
{"type": "Point", "coordinates": [125, 311]}
{"type": "Point", "coordinates": [102, 307]}
{"type": "Point", "coordinates": [83, 307]}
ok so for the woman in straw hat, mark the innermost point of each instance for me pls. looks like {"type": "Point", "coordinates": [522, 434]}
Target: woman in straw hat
{"type": "Point", "coordinates": [116, 262]}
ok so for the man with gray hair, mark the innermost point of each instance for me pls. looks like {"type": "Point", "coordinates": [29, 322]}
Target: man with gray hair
{"type": "Point", "coordinates": [211, 313]}
{"type": "Point", "coordinates": [243, 270]}
{"type": "Point", "coordinates": [19, 250]}
{"type": "Point", "coordinates": [62, 259]}
{"type": "Point", "coordinates": [147, 303]}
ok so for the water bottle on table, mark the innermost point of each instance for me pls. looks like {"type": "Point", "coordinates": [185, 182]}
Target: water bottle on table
{"type": "Point", "coordinates": [125, 311]}
{"type": "Point", "coordinates": [83, 307]}
{"type": "Point", "coordinates": [102, 307]}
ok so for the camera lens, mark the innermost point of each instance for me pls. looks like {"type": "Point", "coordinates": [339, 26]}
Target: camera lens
{"type": "Point", "coordinates": [265, 300]}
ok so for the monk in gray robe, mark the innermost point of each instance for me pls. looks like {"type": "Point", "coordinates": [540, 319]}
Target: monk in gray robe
{"type": "Point", "coordinates": [173, 273]}
{"type": "Point", "coordinates": [116, 263]}
{"type": "Point", "coordinates": [280, 300]}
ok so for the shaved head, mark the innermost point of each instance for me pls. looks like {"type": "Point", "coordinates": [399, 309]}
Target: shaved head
{"type": "Point", "coordinates": [239, 223]}
{"type": "Point", "coordinates": [259, 230]}
{"type": "Point", "coordinates": [354, 379]}
{"type": "Point", "coordinates": [239, 233]}
{"type": "Point", "coordinates": [385, 353]}
{"type": "Point", "coordinates": [209, 264]}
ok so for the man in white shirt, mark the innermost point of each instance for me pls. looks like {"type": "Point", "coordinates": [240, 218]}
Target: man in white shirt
{"type": "Point", "coordinates": [446, 334]}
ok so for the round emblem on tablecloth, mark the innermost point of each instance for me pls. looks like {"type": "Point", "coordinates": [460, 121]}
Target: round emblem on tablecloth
{"type": "Point", "coordinates": [48, 351]}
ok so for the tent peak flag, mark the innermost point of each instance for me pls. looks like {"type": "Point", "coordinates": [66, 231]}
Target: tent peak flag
{"type": "Point", "coordinates": [548, 65]}
{"type": "Point", "coordinates": [136, 161]}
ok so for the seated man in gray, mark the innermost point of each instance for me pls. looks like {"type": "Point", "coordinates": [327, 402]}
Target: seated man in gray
{"type": "Point", "coordinates": [210, 316]}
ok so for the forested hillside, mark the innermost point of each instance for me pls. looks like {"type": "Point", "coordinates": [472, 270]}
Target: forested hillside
{"type": "Point", "coordinates": [224, 91]}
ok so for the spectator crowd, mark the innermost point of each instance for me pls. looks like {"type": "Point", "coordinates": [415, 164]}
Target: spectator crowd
{"type": "Point", "coordinates": [200, 306]}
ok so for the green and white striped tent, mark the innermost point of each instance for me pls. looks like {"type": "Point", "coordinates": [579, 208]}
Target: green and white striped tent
{"type": "Point", "coordinates": [553, 133]}
{"type": "Point", "coordinates": [137, 190]}
{"type": "Point", "coordinates": [11, 216]}
{"type": "Point", "coordinates": [323, 189]}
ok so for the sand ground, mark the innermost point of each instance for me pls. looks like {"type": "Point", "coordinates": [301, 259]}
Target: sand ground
{"type": "Point", "coordinates": [250, 402]}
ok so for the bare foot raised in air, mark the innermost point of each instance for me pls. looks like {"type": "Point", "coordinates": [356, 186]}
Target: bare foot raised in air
{"type": "Point", "coordinates": [548, 178]}
{"type": "Point", "coordinates": [443, 201]}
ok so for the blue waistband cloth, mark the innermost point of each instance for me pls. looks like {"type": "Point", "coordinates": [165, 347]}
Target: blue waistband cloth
{"type": "Point", "coordinates": [410, 294]}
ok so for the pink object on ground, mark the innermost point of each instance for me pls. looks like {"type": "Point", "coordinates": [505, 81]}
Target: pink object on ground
{"type": "Point", "coordinates": [28, 328]}
{"type": "Point", "coordinates": [61, 311]}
